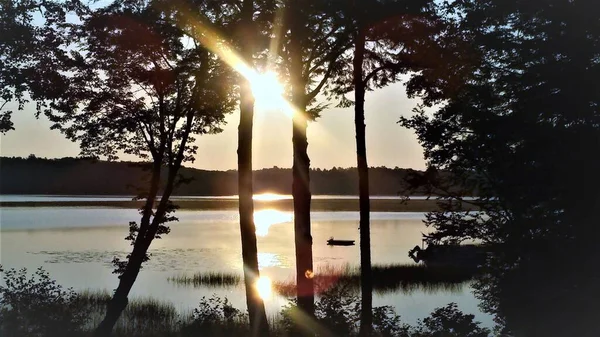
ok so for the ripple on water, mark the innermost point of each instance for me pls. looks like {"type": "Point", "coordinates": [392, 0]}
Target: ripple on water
{"type": "Point", "coordinates": [160, 259]}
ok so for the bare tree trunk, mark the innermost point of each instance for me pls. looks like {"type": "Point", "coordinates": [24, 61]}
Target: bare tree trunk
{"type": "Point", "coordinates": [300, 169]}
{"type": "Point", "coordinates": [256, 307]}
{"type": "Point", "coordinates": [366, 278]}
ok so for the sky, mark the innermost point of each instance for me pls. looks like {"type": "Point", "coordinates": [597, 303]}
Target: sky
{"type": "Point", "coordinates": [331, 141]}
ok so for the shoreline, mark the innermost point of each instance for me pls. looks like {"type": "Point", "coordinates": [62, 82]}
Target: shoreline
{"type": "Point", "coordinates": [323, 205]}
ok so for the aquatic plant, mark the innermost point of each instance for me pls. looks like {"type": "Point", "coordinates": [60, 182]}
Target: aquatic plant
{"type": "Point", "coordinates": [207, 279]}
{"type": "Point", "coordinates": [406, 278]}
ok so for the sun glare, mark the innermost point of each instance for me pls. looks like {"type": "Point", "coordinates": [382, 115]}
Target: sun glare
{"type": "Point", "coordinates": [263, 287]}
{"type": "Point", "coordinates": [267, 91]}
{"type": "Point", "coordinates": [269, 197]}
{"type": "Point", "coordinates": [266, 218]}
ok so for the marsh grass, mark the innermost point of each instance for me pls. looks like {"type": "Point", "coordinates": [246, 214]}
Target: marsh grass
{"type": "Point", "coordinates": [336, 313]}
{"type": "Point", "coordinates": [387, 278]}
{"type": "Point", "coordinates": [406, 278]}
{"type": "Point", "coordinates": [142, 316]}
{"type": "Point", "coordinates": [207, 279]}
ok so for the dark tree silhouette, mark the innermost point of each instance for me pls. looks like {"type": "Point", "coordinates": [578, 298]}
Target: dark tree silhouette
{"type": "Point", "coordinates": [256, 307]}
{"type": "Point", "coordinates": [390, 38]}
{"type": "Point", "coordinates": [225, 27]}
{"type": "Point", "coordinates": [366, 278]}
{"type": "Point", "coordinates": [29, 55]}
{"type": "Point", "coordinates": [519, 125]}
{"type": "Point", "coordinates": [134, 87]}
{"type": "Point", "coordinates": [312, 55]}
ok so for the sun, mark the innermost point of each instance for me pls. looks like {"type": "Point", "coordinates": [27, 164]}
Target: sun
{"type": "Point", "coordinates": [267, 91]}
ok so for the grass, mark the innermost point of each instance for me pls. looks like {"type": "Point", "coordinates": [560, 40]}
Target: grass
{"type": "Point", "coordinates": [207, 279]}
{"type": "Point", "coordinates": [331, 205]}
{"type": "Point", "coordinates": [406, 278]}
{"type": "Point", "coordinates": [387, 279]}
{"type": "Point", "coordinates": [142, 316]}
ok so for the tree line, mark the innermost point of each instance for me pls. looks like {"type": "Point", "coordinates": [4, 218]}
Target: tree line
{"type": "Point", "coordinates": [80, 176]}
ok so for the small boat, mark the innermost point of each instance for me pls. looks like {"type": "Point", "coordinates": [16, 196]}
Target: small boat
{"type": "Point", "coordinates": [334, 242]}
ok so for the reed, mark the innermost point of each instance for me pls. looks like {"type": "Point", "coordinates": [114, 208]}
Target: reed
{"type": "Point", "coordinates": [406, 278]}
{"type": "Point", "coordinates": [144, 316]}
{"type": "Point", "coordinates": [207, 279]}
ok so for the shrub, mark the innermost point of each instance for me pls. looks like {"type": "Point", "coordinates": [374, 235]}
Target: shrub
{"type": "Point", "coordinates": [36, 306]}
{"type": "Point", "coordinates": [386, 323]}
{"type": "Point", "coordinates": [448, 321]}
{"type": "Point", "coordinates": [216, 317]}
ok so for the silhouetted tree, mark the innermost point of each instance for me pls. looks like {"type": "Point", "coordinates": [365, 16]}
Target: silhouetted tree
{"type": "Point", "coordinates": [135, 87]}
{"type": "Point", "coordinates": [313, 54]}
{"type": "Point", "coordinates": [29, 53]}
{"type": "Point", "coordinates": [247, 40]}
{"type": "Point", "coordinates": [390, 38]}
{"type": "Point", "coordinates": [519, 124]}
{"type": "Point", "coordinates": [226, 28]}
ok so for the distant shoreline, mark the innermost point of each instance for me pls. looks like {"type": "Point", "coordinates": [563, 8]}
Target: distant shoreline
{"type": "Point", "coordinates": [325, 205]}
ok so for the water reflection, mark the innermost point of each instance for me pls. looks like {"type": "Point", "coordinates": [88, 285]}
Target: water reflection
{"type": "Point", "coordinates": [266, 218]}
{"type": "Point", "coordinates": [208, 243]}
{"type": "Point", "coordinates": [264, 288]}
{"type": "Point", "coordinates": [266, 260]}
{"type": "Point", "coordinates": [270, 197]}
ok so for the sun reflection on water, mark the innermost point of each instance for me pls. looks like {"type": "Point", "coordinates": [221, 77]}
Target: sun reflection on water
{"type": "Point", "coordinates": [265, 218]}
{"type": "Point", "coordinates": [264, 287]}
{"type": "Point", "coordinates": [269, 197]}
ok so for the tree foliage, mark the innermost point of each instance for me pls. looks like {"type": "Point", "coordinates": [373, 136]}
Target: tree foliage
{"type": "Point", "coordinates": [519, 125]}
{"type": "Point", "coordinates": [517, 130]}
{"type": "Point", "coordinates": [135, 84]}
{"type": "Point", "coordinates": [31, 36]}
{"type": "Point", "coordinates": [36, 306]}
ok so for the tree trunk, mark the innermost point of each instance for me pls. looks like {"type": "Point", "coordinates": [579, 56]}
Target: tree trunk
{"type": "Point", "coordinates": [300, 169]}
{"type": "Point", "coordinates": [256, 308]}
{"type": "Point", "coordinates": [366, 281]}
{"type": "Point", "coordinates": [302, 230]}
{"type": "Point", "coordinates": [119, 300]}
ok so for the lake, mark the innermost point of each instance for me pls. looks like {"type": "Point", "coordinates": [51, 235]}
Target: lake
{"type": "Point", "coordinates": [76, 245]}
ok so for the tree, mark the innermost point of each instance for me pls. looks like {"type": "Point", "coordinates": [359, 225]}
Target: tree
{"type": "Point", "coordinates": [518, 124]}
{"type": "Point", "coordinates": [227, 28]}
{"type": "Point", "coordinates": [312, 54]}
{"type": "Point", "coordinates": [388, 39]}
{"type": "Point", "coordinates": [256, 307]}
{"type": "Point", "coordinates": [136, 88]}
{"type": "Point", "coordinates": [29, 52]}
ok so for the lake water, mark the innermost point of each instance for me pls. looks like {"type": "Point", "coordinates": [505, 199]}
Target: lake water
{"type": "Point", "coordinates": [76, 246]}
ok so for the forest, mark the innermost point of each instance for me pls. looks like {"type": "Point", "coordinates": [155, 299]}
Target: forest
{"type": "Point", "coordinates": [80, 176]}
